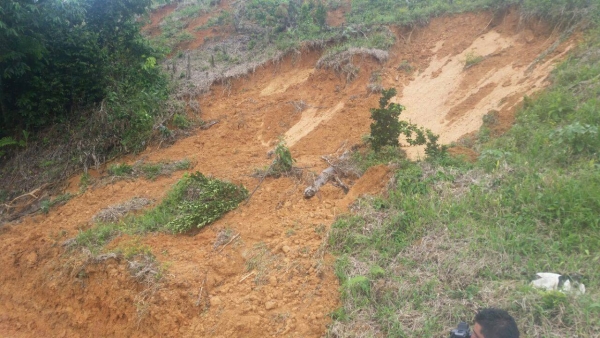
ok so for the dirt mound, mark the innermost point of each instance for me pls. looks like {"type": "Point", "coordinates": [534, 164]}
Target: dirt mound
{"type": "Point", "coordinates": [272, 275]}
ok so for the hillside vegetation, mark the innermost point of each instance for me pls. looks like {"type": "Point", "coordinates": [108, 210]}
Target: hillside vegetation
{"type": "Point", "coordinates": [451, 237]}
{"type": "Point", "coordinates": [80, 85]}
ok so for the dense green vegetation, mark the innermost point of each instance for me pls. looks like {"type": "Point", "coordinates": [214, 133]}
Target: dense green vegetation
{"type": "Point", "coordinates": [59, 58]}
{"type": "Point", "coordinates": [451, 237]}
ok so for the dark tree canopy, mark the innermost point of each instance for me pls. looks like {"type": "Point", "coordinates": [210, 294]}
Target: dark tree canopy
{"type": "Point", "coordinates": [57, 56]}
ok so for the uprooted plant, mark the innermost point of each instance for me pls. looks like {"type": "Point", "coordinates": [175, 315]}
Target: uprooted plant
{"type": "Point", "coordinates": [207, 199]}
{"type": "Point", "coordinates": [283, 163]}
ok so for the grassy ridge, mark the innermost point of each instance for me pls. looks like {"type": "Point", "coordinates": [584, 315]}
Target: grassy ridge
{"type": "Point", "coordinates": [451, 238]}
{"type": "Point", "coordinates": [419, 11]}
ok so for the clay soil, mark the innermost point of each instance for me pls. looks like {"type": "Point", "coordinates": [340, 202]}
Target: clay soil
{"type": "Point", "coordinates": [275, 278]}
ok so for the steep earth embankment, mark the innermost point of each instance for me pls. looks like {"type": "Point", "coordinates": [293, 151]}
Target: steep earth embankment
{"type": "Point", "coordinates": [274, 279]}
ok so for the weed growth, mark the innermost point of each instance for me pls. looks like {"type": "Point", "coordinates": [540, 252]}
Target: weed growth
{"type": "Point", "coordinates": [472, 59]}
{"type": "Point", "coordinates": [450, 237]}
{"type": "Point", "coordinates": [149, 171]}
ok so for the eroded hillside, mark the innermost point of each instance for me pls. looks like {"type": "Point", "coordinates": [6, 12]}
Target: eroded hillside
{"type": "Point", "coordinates": [273, 275]}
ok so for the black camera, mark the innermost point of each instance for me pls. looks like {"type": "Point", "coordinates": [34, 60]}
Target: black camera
{"type": "Point", "coordinates": [462, 331]}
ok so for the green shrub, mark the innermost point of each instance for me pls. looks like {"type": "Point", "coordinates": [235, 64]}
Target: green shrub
{"type": "Point", "coordinates": [203, 200]}
{"type": "Point", "coordinates": [120, 169]}
{"type": "Point", "coordinates": [49, 203]}
{"type": "Point", "coordinates": [283, 159]}
{"type": "Point", "coordinates": [359, 285]}
{"type": "Point", "coordinates": [386, 128]}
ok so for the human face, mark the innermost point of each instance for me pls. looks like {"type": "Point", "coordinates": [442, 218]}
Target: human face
{"type": "Point", "coordinates": [477, 331]}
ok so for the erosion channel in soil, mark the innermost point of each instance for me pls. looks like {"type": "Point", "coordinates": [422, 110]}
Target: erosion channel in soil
{"type": "Point", "coordinates": [275, 278]}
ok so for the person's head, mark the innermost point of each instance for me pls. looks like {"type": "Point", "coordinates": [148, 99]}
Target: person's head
{"type": "Point", "coordinates": [494, 323]}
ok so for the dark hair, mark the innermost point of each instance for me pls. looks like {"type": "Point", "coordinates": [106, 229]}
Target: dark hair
{"type": "Point", "coordinates": [497, 323]}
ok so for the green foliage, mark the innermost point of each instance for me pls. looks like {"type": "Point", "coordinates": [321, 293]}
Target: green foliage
{"type": "Point", "coordinates": [433, 150]}
{"type": "Point", "coordinates": [359, 285]}
{"type": "Point", "coordinates": [63, 59]}
{"type": "Point", "coordinates": [208, 200]}
{"type": "Point", "coordinates": [386, 155]}
{"type": "Point", "coordinates": [283, 159]}
{"type": "Point", "coordinates": [6, 142]}
{"type": "Point", "coordinates": [120, 169]}
{"type": "Point", "coordinates": [224, 18]}
{"type": "Point", "coordinates": [290, 22]}
{"type": "Point", "coordinates": [386, 128]}
{"type": "Point", "coordinates": [85, 180]}
{"type": "Point", "coordinates": [376, 271]}
{"type": "Point", "coordinates": [152, 170]}
{"type": "Point", "coordinates": [148, 170]}
{"type": "Point", "coordinates": [577, 139]}
{"type": "Point", "coordinates": [376, 37]}
{"type": "Point", "coordinates": [405, 66]}
{"type": "Point", "coordinates": [419, 12]}
{"type": "Point", "coordinates": [193, 202]}
{"type": "Point", "coordinates": [552, 300]}
{"type": "Point", "coordinates": [181, 121]}
{"type": "Point", "coordinates": [61, 56]}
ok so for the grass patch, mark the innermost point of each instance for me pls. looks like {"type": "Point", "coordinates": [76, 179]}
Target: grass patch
{"type": "Point", "coordinates": [366, 157]}
{"type": "Point", "coordinates": [194, 202]}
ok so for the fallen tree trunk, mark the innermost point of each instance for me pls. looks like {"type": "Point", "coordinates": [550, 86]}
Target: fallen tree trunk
{"type": "Point", "coordinates": [335, 167]}
{"type": "Point", "coordinates": [319, 182]}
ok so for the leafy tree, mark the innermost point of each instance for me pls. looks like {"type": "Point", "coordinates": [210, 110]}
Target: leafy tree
{"type": "Point", "coordinates": [321, 15]}
{"type": "Point", "coordinates": [387, 128]}
{"type": "Point", "coordinates": [59, 56]}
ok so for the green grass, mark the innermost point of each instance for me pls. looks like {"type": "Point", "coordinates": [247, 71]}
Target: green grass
{"type": "Point", "coordinates": [192, 203]}
{"type": "Point", "coordinates": [451, 237]}
{"type": "Point", "coordinates": [150, 171]}
{"type": "Point", "coordinates": [367, 12]}
{"type": "Point", "coordinates": [120, 169]}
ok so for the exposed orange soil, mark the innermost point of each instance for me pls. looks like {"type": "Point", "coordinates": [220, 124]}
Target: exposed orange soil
{"type": "Point", "coordinates": [451, 99]}
{"type": "Point", "coordinates": [200, 35]}
{"type": "Point", "coordinates": [153, 28]}
{"type": "Point", "coordinates": [274, 279]}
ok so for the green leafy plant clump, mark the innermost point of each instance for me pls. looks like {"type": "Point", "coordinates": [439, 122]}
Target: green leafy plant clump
{"type": "Point", "coordinates": [204, 201]}
{"type": "Point", "coordinates": [387, 128]}
{"type": "Point", "coordinates": [283, 159]}
{"type": "Point", "coordinates": [194, 202]}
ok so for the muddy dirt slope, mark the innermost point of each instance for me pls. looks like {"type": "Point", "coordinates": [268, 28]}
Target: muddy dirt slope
{"type": "Point", "coordinates": [274, 278]}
